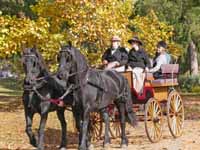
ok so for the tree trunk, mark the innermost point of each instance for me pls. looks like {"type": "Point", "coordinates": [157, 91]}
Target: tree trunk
{"type": "Point", "coordinates": [193, 58]}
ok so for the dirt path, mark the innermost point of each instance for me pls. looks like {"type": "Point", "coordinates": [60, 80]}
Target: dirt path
{"type": "Point", "coordinates": [12, 134]}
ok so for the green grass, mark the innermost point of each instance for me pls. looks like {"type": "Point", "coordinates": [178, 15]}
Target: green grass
{"type": "Point", "coordinates": [10, 87]}
{"type": "Point", "coordinates": [190, 94]}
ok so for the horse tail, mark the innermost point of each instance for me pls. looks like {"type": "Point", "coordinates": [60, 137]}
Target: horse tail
{"type": "Point", "coordinates": [130, 114]}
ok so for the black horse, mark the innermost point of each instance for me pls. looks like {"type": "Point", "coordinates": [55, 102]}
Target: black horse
{"type": "Point", "coordinates": [94, 90]}
{"type": "Point", "coordinates": [40, 93]}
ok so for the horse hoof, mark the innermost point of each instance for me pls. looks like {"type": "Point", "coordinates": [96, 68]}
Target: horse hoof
{"type": "Point", "coordinates": [124, 146]}
{"type": "Point", "coordinates": [106, 146]}
{"type": "Point", "coordinates": [33, 142]}
{"type": "Point", "coordinates": [62, 148]}
{"type": "Point", "coordinates": [91, 147]}
{"type": "Point", "coordinates": [82, 148]}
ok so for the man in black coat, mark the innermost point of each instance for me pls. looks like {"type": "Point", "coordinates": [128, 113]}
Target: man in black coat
{"type": "Point", "coordinates": [115, 57]}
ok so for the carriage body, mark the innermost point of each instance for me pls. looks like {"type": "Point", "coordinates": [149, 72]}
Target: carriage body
{"type": "Point", "coordinates": [159, 98]}
{"type": "Point", "coordinates": [157, 88]}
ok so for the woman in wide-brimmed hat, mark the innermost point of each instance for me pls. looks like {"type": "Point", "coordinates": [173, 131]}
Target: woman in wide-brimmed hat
{"type": "Point", "coordinates": [116, 56]}
{"type": "Point", "coordinates": [138, 62]}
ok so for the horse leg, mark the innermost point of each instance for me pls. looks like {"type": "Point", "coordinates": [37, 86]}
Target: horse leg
{"type": "Point", "coordinates": [27, 97]}
{"type": "Point", "coordinates": [78, 119]}
{"type": "Point", "coordinates": [61, 117]}
{"type": "Point", "coordinates": [84, 131]}
{"type": "Point", "coordinates": [107, 124]}
{"type": "Point", "coordinates": [41, 130]}
{"type": "Point", "coordinates": [29, 119]}
{"type": "Point", "coordinates": [124, 140]}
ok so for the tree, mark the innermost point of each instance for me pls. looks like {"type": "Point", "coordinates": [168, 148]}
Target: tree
{"type": "Point", "coordinates": [15, 33]}
{"type": "Point", "coordinates": [20, 8]}
{"type": "Point", "coordinates": [151, 31]}
{"type": "Point", "coordinates": [182, 14]}
{"type": "Point", "coordinates": [88, 24]}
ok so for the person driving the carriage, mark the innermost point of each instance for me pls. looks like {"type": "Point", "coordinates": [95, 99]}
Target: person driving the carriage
{"type": "Point", "coordinates": [138, 63]}
{"type": "Point", "coordinates": [161, 58]}
{"type": "Point", "coordinates": [116, 56]}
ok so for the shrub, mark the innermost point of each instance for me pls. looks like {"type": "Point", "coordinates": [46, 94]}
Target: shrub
{"type": "Point", "coordinates": [189, 83]}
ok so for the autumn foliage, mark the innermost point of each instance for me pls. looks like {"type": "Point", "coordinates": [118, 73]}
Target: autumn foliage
{"type": "Point", "coordinates": [88, 24]}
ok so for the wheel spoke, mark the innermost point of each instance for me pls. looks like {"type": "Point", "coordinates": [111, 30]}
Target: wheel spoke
{"type": "Point", "coordinates": [174, 124]}
{"type": "Point", "coordinates": [172, 107]}
{"type": "Point", "coordinates": [150, 110]}
{"type": "Point", "coordinates": [179, 107]}
{"type": "Point", "coordinates": [179, 121]}
{"type": "Point", "coordinates": [157, 129]}
{"type": "Point", "coordinates": [158, 113]}
{"type": "Point", "coordinates": [151, 132]}
{"type": "Point", "coordinates": [156, 110]}
{"type": "Point", "coordinates": [178, 125]}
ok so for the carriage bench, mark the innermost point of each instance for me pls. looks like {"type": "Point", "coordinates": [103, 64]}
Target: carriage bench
{"type": "Point", "coordinates": [169, 76]}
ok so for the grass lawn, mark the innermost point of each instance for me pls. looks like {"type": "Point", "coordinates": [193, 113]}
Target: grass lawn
{"type": "Point", "coordinates": [10, 87]}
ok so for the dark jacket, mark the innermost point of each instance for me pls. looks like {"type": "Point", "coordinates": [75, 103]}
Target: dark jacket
{"type": "Point", "coordinates": [120, 55]}
{"type": "Point", "coordinates": [138, 59]}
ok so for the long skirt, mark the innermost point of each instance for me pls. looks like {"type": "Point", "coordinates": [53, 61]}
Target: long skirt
{"type": "Point", "coordinates": [138, 78]}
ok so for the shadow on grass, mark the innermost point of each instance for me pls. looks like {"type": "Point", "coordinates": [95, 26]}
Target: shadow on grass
{"type": "Point", "coordinates": [53, 139]}
{"type": "Point", "coordinates": [11, 83]}
{"type": "Point", "coordinates": [10, 103]}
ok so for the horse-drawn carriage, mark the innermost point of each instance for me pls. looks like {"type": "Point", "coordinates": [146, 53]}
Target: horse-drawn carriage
{"type": "Point", "coordinates": [41, 92]}
{"type": "Point", "coordinates": [159, 98]}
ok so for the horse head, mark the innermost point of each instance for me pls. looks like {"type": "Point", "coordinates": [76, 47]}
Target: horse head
{"type": "Point", "coordinates": [32, 64]}
{"type": "Point", "coordinates": [66, 63]}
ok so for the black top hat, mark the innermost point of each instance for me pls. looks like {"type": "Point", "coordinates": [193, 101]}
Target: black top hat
{"type": "Point", "coordinates": [135, 39]}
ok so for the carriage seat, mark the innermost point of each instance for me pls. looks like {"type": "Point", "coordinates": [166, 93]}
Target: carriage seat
{"type": "Point", "coordinates": [149, 76]}
{"type": "Point", "coordinates": [169, 76]}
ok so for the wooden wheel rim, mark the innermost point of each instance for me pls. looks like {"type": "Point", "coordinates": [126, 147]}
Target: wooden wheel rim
{"type": "Point", "coordinates": [96, 126]}
{"type": "Point", "coordinates": [114, 127]}
{"type": "Point", "coordinates": [175, 114]}
{"type": "Point", "coordinates": [153, 120]}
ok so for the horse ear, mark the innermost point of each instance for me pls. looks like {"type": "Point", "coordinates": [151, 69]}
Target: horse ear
{"type": "Point", "coordinates": [34, 48]}
{"type": "Point", "coordinates": [70, 44]}
{"type": "Point", "coordinates": [23, 48]}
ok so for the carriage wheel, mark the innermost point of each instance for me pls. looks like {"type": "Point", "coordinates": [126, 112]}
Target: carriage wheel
{"type": "Point", "coordinates": [175, 114]}
{"type": "Point", "coordinates": [114, 128]}
{"type": "Point", "coordinates": [95, 126]}
{"type": "Point", "coordinates": [153, 120]}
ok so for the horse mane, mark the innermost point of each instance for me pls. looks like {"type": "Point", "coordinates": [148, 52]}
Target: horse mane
{"type": "Point", "coordinates": [77, 55]}
{"type": "Point", "coordinates": [80, 64]}
{"type": "Point", "coordinates": [41, 62]}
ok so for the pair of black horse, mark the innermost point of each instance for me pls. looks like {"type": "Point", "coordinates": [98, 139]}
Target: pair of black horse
{"type": "Point", "coordinates": [85, 89]}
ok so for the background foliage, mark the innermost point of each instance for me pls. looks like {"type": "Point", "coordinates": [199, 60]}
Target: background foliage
{"type": "Point", "coordinates": [90, 25]}
{"type": "Point", "coordinates": [183, 15]}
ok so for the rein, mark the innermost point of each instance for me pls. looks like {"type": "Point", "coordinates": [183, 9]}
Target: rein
{"type": "Point", "coordinates": [33, 88]}
{"type": "Point", "coordinates": [55, 101]}
{"type": "Point", "coordinates": [78, 72]}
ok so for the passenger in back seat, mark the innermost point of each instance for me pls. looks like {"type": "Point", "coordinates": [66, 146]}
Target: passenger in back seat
{"type": "Point", "coordinates": [162, 57]}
